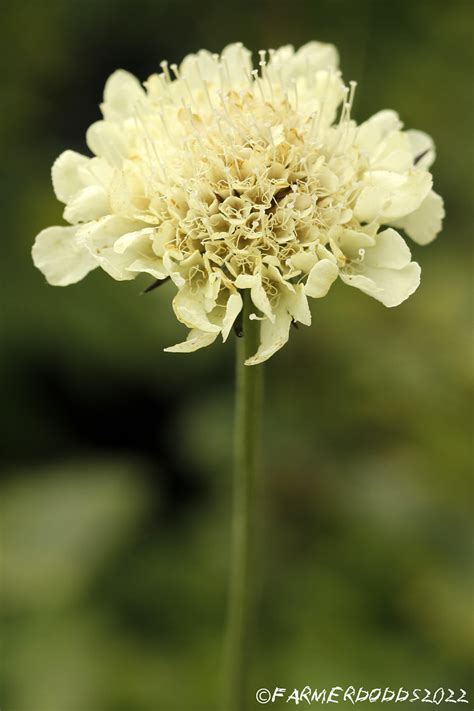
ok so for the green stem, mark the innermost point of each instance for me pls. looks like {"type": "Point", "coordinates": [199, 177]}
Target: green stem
{"type": "Point", "coordinates": [248, 407]}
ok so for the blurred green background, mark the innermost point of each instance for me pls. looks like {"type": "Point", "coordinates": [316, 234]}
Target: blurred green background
{"type": "Point", "coordinates": [116, 484]}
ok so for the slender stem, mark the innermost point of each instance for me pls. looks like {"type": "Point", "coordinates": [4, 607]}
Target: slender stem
{"type": "Point", "coordinates": [245, 517]}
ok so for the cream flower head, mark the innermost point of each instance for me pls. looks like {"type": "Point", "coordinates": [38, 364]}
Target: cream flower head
{"type": "Point", "coordinates": [224, 178]}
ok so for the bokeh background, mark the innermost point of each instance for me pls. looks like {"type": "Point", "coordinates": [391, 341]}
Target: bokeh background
{"type": "Point", "coordinates": [116, 485]}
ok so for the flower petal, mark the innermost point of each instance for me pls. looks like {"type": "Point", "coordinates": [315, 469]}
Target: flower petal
{"type": "Point", "coordinates": [138, 246]}
{"type": "Point", "coordinates": [375, 129]}
{"type": "Point", "coordinates": [320, 278]}
{"type": "Point", "coordinates": [370, 203]}
{"type": "Point", "coordinates": [60, 256]}
{"type": "Point", "coordinates": [352, 241]}
{"type": "Point", "coordinates": [303, 261]}
{"type": "Point", "coordinates": [88, 204]}
{"type": "Point", "coordinates": [390, 251]}
{"type": "Point", "coordinates": [190, 310]}
{"type": "Point", "coordinates": [328, 92]}
{"type": "Point", "coordinates": [423, 148]}
{"type": "Point", "coordinates": [389, 286]}
{"type": "Point", "coordinates": [310, 58]}
{"type": "Point", "coordinates": [257, 292]}
{"type": "Point", "coordinates": [315, 55]}
{"type": "Point", "coordinates": [100, 238]}
{"type": "Point", "coordinates": [66, 174]}
{"type": "Point", "coordinates": [196, 339]}
{"type": "Point", "coordinates": [238, 62]}
{"type": "Point", "coordinates": [122, 93]}
{"type": "Point", "coordinates": [273, 336]}
{"type": "Point", "coordinates": [386, 271]}
{"type": "Point", "coordinates": [390, 196]}
{"type": "Point", "coordinates": [425, 222]}
{"type": "Point", "coordinates": [137, 241]}
{"type": "Point", "coordinates": [296, 304]}
{"type": "Point", "coordinates": [199, 68]}
{"type": "Point", "coordinates": [393, 154]}
{"type": "Point", "coordinates": [108, 141]}
{"type": "Point", "coordinates": [233, 308]}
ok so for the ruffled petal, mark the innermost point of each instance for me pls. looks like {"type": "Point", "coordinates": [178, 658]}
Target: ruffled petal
{"type": "Point", "coordinates": [423, 224]}
{"type": "Point", "coordinates": [60, 256]}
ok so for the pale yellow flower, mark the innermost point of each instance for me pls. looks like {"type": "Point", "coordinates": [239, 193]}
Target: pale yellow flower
{"type": "Point", "coordinates": [224, 179]}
